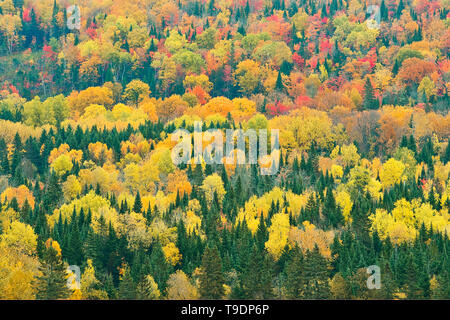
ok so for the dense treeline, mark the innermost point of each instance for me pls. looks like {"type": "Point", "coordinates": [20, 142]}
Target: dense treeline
{"type": "Point", "coordinates": [87, 177]}
{"type": "Point", "coordinates": [418, 269]}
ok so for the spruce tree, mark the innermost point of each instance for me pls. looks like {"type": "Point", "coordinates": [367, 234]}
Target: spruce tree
{"type": "Point", "coordinates": [279, 84]}
{"type": "Point", "coordinates": [262, 235]}
{"type": "Point", "coordinates": [294, 274]}
{"type": "Point", "coordinates": [331, 211]}
{"type": "Point", "coordinates": [127, 287]}
{"type": "Point", "coordinates": [384, 13]}
{"type": "Point", "coordinates": [413, 290]}
{"type": "Point", "coordinates": [211, 278]}
{"type": "Point", "coordinates": [137, 207]}
{"type": "Point", "coordinates": [160, 269]}
{"type": "Point", "coordinates": [53, 193]}
{"type": "Point", "coordinates": [315, 275]}
{"type": "Point", "coordinates": [443, 284]}
{"type": "Point", "coordinates": [400, 8]}
{"type": "Point", "coordinates": [52, 284]}
{"type": "Point", "coordinates": [257, 276]}
{"type": "Point", "coordinates": [75, 246]}
{"type": "Point", "coordinates": [370, 101]}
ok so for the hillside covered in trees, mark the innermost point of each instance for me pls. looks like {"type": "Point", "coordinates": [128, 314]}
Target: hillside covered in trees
{"type": "Point", "coordinates": [358, 89]}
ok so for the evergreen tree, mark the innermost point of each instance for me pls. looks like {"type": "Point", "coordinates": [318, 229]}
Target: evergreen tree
{"type": "Point", "coordinates": [370, 101]}
{"type": "Point", "coordinates": [262, 235]}
{"type": "Point", "coordinates": [211, 278]}
{"type": "Point", "coordinates": [294, 274]}
{"type": "Point", "coordinates": [75, 246]}
{"type": "Point", "coordinates": [279, 84]}
{"type": "Point", "coordinates": [53, 193]}
{"type": "Point", "coordinates": [127, 287]}
{"type": "Point", "coordinates": [159, 268]}
{"type": "Point", "coordinates": [413, 290]}
{"type": "Point", "coordinates": [197, 176]}
{"type": "Point", "coordinates": [315, 276]}
{"type": "Point", "coordinates": [384, 13]}
{"type": "Point", "coordinates": [52, 284]}
{"type": "Point", "coordinates": [443, 285]}
{"type": "Point", "coordinates": [446, 157]}
{"type": "Point", "coordinates": [332, 212]}
{"type": "Point", "coordinates": [400, 8]}
{"type": "Point", "coordinates": [257, 276]}
{"type": "Point", "coordinates": [137, 207]}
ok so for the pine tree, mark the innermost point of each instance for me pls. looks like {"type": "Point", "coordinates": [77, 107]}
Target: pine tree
{"type": "Point", "coordinates": [446, 157]}
{"type": "Point", "coordinates": [55, 27]}
{"type": "Point", "coordinates": [413, 290]}
{"type": "Point", "coordinates": [294, 274]}
{"type": "Point", "coordinates": [396, 67]}
{"type": "Point", "coordinates": [262, 235]}
{"type": "Point", "coordinates": [412, 144]}
{"type": "Point", "coordinates": [404, 142]}
{"type": "Point", "coordinates": [315, 275]}
{"type": "Point", "coordinates": [257, 276]}
{"type": "Point", "coordinates": [127, 287]}
{"type": "Point", "coordinates": [279, 84]}
{"type": "Point", "coordinates": [211, 278]}
{"type": "Point", "coordinates": [52, 284]}
{"type": "Point", "coordinates": [370, 101]}
{"type": "Point", "coordinates": [331, 210]}
{"type": "Point", "coordinates": [443, 284]}
{"type": "Point", "coordinates": [384, 13]}
{"type": "Point", "coordinates": [75, 246]}
{"type": "Point", "coordinates": [4, 165]}
{"type": "Point", "coordinates": [400, 8]}
{"type": "Point", "coordinates": [147, 289]}
{"type": "Point", "coordinates": [53, 192]}
{"type": "Point", "coordinates": [387, 282]}
{"type": "Point", "coordinates": [137, 207]}
{"type": "Point", "coordinates": [197, 176]}
{"type": "Point", "coordinates": [160, 269]}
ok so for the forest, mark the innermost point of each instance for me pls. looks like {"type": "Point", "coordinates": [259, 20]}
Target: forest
{"type": "Point", "coordinates": [92, 206]}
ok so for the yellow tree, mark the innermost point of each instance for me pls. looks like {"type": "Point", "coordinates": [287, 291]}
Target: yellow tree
{"type": "Point", "coordinates": [19, 265]}
{"type": "Point", "coordinates": [62, 164]}
{"type": "Point", "coordinates": [71, 188]}
{"type": "Point", "coordinates": [248, 75]}
{"type": "Point", "coordinates": [10, 26]}
{"type": "Point", "coordinates": [179, 287]}
{"type": "Point", "coordinates": [36, 114]}
{"type": "Point", "coordinates": [392, 172]}
{"type": "Point", "coordinates": [192, 81]}
{"type": "Point", "coordinates": [17, 274]}
{"type": "Point", "coordinates": [310, 236]}
{"type": "Point", "coordinates": [100, 153]}
{"type": "Point", "coordinates": [136, 91]}
{"type": "Point", "coordinates": [213, 184]}
{"type": "Point", "coordinates": [89, 284]}
{"type": "Point", "coordinates": [172, 253]}
{"type": "Point", "coordinates": [21, 237]}
{"type": "Point", "coordinates": [278, 234]}
{"type": "Point", "coordinates": [78, 101]}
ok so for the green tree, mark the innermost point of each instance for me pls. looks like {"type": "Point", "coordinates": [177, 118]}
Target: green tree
{"type": "Point", "coordinates": [127, 287]}
{"type": "Point", "coordinates": [212, 278]}
{"type": "Point", "coordinates": [315, 276]}
{"type": "Point", "coordinates": [257, 276]}
{"type": "Point", "coordinates": [52, 284]}
{"type": "Point", "coordinates": [370, 101]}
{"type": "Point", "coordinates": [294, 274]}
{"type": "Point", "coordinates": [137, 207]}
